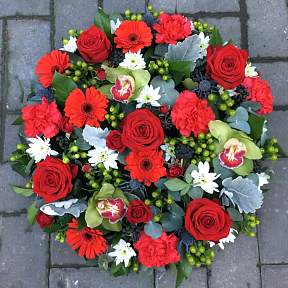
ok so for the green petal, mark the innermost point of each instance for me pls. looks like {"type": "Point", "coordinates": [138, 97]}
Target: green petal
{"type": "Point", "coordinates": [92, 217]}
{"type": "Point", "coordinates": [105, 192]}
{"type": "Point", "coordinates": [220, 130]}
{"type": "Point", "coordinates": [253, 151]}
{"type": "Point", "coordinates": [245, 169]}
{"type": "Point", "coordinates": [112, 227]}
{"type": "Point", "coordinates": [119, 194]}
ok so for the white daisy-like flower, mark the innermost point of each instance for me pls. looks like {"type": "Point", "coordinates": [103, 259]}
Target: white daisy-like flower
{"type": "Point", "coordinates": [229, 239]}
{"type": "Point", "coordinates": [250, 71]}
{"type": "Point", "coordinates": [71, 46]}
{"type": "Point", "coordinates": [205, 179]}
{"type": "Point", "coordinates": [103, 155]}
{"type": "Point", "coordinates": [148, 95]}
{"type": "Point", "coordinates": [115, 25]}
{"type": "Point", "coordinates": [133, 61]}
{"type": "Point", "coordinates": [263, 179]}
{"type": "Point", "coordinates": [204, 43]}
{"type": "Point", "coordinates": [95, 136]}
{"type": "Point", "coordinates": [123, 252]}
{"type": "Point", "coordinates": [39, 149]}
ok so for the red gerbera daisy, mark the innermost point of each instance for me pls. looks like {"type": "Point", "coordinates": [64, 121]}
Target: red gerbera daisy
{"type": "Point", "coordinates": [133, 36]}
{"type": "Point", "coordinates": [89, 242]}
{"type": "Point", "coordinates": [146, 166]}
{"type": "Point", "coordinates": [48, 64]}
{"type": "Point", "coordinates": [88, 108]}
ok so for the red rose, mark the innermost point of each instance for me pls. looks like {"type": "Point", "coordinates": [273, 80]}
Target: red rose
{"type": "Point", "coordinates": [93, 45]}
{"type": "Point", "coordinates": [175, 171]}
{"type": "Point", "coordinates": [101, 74]}
{"type": "Point", "coordinates": [44, 220]}
{"type": "Point", "coordinates": [138, 212]}
{"type": "Point", "coordinates": [172, 28]}
{"type": "Point", "coordinates": [164, 109]}
{"type": "Point", "coordinates": [114, 141]}
{"type": "Point", "coordinates": [191, 114]}
{"type": "Point", "coordinates": [52, 179]}
{"type": "Point", "coordinates": [226, 65]}
{"type": "Point", "coordinates": [157, 252]}
{"type": "Point", "coordinates": [260, 92]}
{"type": "Point", "coordinates": [65, 125]}
{"type": "Point", "coordinates": [142, 130]}
{"type": "Point", "coordinates": [41, 118]}
{"type": "Point", "coordinates": [207, 220]}
{"type": "Point", "coordinates": [86, 168]}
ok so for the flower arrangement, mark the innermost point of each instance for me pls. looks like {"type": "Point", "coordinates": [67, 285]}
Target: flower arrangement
{"type": "Point", "coordinates": [142, 142]}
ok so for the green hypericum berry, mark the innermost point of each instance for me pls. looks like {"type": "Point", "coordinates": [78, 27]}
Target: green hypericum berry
{"type": "Point", "coordinates": [127, 12]}
{"type": "Point", "coordinates": [118, 180]}
{"type": "Point", "coordinates": [121, 115]}
{"type": "Point", "coordinates": [172, 142]}
{"type": "Point", "coordinates": [95, 185]}
{"type": "Point", "coordinates": [165, 77]}
{"type": "Point", "coordinates": [274, 158]}
{"type": "Point", "coordinates": [135, 267]}
{"type": "Point", "coordinates": [83, 155]}
{"type": "Point", "coordinates": [139, 17]}
{"type": "Point", "coordinates": [201, 249]}
{"type": "Point", "coordinates": [230, 103]}
{"type": "Point", "coordinates": [159, 203]}
{"type": "Point", "coordinates": [84, 65]}
{"type": "Point", "coordinates": [156, 218]}
{"type": "Point", "coordinates": [270, 149]}
{"type": "Point", "coordinates": [210, 141]}
{"type": "Point", "coordinates": [155, 194]}
{"type": "Point", "coordinates": [93, 81]}
{"type": "Point", "coordinates": [90, 68]}
{"type": "Point", "coordinates": [170, 200]}
{"type": "Point", "coordinates": [203, 145]}
{"type": "Point", "coordinates": [112, 117]}
{"type": "Point", "coordinates": [67, 72]}
{"type": "Point", "coordinates": [78, 73]}
{"type": "Point", "coordinates": [28, 184]}
{"type": "Point", "coordinates": [161, 71]}
{"type": "Point", "coordinates": [79, 63]}
{"type": "Point", "coordinates": [231, 112]}
{"type": "Point", "coordinates": [134, 17]}
{"type": "Point", "coordinates": [114, 124]}
{"type": "Point", "coordinates": [273, 140]}
{"type": "Point", "coordinates": [75, 79]}
{"type": "Point", "coordinates": [201, 136]}
{"type": "Point", "coordinates": [198, 264]}
{"type": "Point", "coordinates": [194, 161]}
{"type": "Point", "coordinates": [222, 107]}
{"type": "Point", "coordinates": [156, 14]}
{"type": "Point", "coordinates": [205, 25]}
{"type": "Point", "coordinates": [20, 147]}
{"type": "Point", "coordinates": [84, 86]}
{"type": "Point", "coordinates": [208, 262]}
{"type": "Point", "coordinates": [72, 32]}
{"type": "Point", "coordinates": [159, 62]}
{"type": "Point", "coordinates": [206, 153]}
{"type": "Point", "coordinates": [65, 160]}
{"type": "Point", "coordinates": [212, 97]}
{"type": "Point", "coordinates": [76, 156]}
{"type": "Point", "coordinates": [147, 202]}
{"type": "Point", "coordinates": [198, 150]}
{"type": "Point", "coordinates": [74, 149]}
{"type": "Point", "coordinates": [193, 249]}
{"type": "Point", "coordinates": [225, 96]}
{"type": "Point", "coordinates": [211, 147]}
{"type": "Point", "coordinates": [198, 253]}
{"type": "Point", "coordinates": [190, 259]}
{"type": "Point", "coordinates": [65, 41]}
{"type": "Point", "coordinates": [150, 8]}
{"type": "Point", "coordinates": [276, 150]}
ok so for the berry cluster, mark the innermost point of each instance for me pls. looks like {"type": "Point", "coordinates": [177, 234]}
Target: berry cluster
{"type": "Point", "coordinates": [200, 255]}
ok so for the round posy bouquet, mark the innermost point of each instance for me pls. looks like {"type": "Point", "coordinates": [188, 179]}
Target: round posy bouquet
{"type": "Point", "coordinates": [142, 142]}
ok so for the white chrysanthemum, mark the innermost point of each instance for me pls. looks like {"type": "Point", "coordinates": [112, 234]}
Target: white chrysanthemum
{"type": "Point", "coordinates": [123, 252]}
{"type": "Point", "coordinates": [263, 179]}
{"type": "Point", "coordinates": [115, 25]}
{"type": "Point", "coordinates": [39, 149]}
{"type": "Point", "coordinates": [133, 61]}
{"type": "Point", "coordinates": [148, 95]}
{"type": "Point", "coordinates": [203, 44]}
{"type": "Point", "coordinates": [229, 239]}
{"type": "Point", "coordinates": [103, 155]}
{"type": "Point", "coordinates": [250, 71]}
{"type": "Point", "coordinates": [204, 179]}
{"type": "Point", "coordinates": [95, 136]}
{"type": "Point", "coordinates": [71, 46]}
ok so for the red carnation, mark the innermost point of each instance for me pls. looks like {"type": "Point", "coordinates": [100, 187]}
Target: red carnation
{"type": "Point", "coordinates": [88, 108]}
{"type": "Point", "coordinates": [65, 125]}
{"type": "Point", "coordinates": [44, 220]}
{"type": "Point", "coordinates": [260, 92]}
{"type": "Point", "coordinates": [145, 166]}
{"type": "Point", "coordinates": [157, 252]}
{"type": "Point", "coordinates": [52, 179]}
{"type": "Point", "coordinates": [191, 114]}
{"type": "Point", "coordinates": [172, 28]}
{"type": "Point", "coordinates": [133, 36]}
{"type": "Point", "coordinates": [93, 45]}
{"type": "Point", "coordinates": [114, 141]}
{"type": "Point", "coordinates": [89, 242]}
{"type": "Point", "coordinates": [138, 212]}
{"type": "Point", "coordinates": [175, 171]}
{"type": "Point", "coordinates": [48, 64]}
{"type": "Point", "coordinates": [41, 118]}
{"type": "Point", "coordinates": [207, 220]}
{"type": "Point", "coordinates": [142, 130]}
{"type": "Point", "coordinates": [226, 65]}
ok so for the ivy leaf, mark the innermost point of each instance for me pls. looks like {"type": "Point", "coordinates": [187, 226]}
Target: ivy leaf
{"type": "Point", "coordinates": [32, 212]}
{"type": "Point", "coordinates": [102, 21]}
{"type": "Point", "coordinates": [195, 192]}
{"type": "Point", "coordinates": [152, 229]}
{"type": "Point", "coordinates": [26, 192]}
{"type": "Point", "coordinates": [175, 184]}
{"type": "Point", "coordinates": [216, 38]}
{"type": "Point", "coordinates": [243, 193]}
{"type": "Point", "coordinates": [235, 214]}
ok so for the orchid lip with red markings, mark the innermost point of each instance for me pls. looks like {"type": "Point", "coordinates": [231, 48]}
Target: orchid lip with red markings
{"type": "Point", "coordinates": [233, 154]}
{"type": "Point", "coordinates": [112, 209]}
{"type": "Point", "coordinates": [123, 88]}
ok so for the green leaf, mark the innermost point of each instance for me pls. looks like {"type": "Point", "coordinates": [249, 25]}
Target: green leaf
{"type": "Point", "coordinates": [219, 169]}
{"type": "Point", "coordinates": [92, 216]}
{"type": "Point", "coordinates": [82, 144]}
{"type": "Point", "coordinates": [29, 166]}
{"type": "Point", "coordinates": [256, 123]}
{"type": "Point", "coordinates": [190, 84]}
{"type": "Point", "coordinates": [32, 212]}
{"type": "Point", "coordinates": [116, 227]}
{"type": "Point", "coordinates": [187, 176]}
{"type": "Point", "coordinates": [105, 192]}
{"type": "Point", "coordinates": [235, 214]}
{"type": "Point", "coordinates": [171, 222]}
{"type": "Point", "coordinates": [102, 21]}
{"type": "Point", "coordinates": [245, 169]}
{"type": "Point", "coordinates": [62, 86]}
{"type": "Point", "coordinates": [152, 229]}
{"type": "Point", "coordinates": [184, 67]}
{"type": "Point", "coordinates": [161, 50]}
{"type": "Point", "coordinates": [175, 184]}
{"type": "Point", "coordinates": [184, 270]}
{"type": "Point", "coordinates": [215, 38]}
{"type": "Point", "coordinates": [18, 121]}
{"type": "Point", "coordinates": [106, 90]}
{"type": "Point", "coordinates": [195, 192]}
{"type": "Point", "coordinates": [26, 192]}
{"type": "Point", "coordinates": [220, 130]}
{"type": "Point", "coordinates": [185, 190]}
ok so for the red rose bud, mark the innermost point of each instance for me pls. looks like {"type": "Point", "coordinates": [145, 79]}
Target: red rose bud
{"type": "Point", "coordinates": [164, 109]}
{"type": "Point", "coordinates": [101, 74]}
{"type": "Point", "coordinates": [114, 141]}
{"type": "Point", "coordinates": [93, 45]}
{"type": "Point", "coordinates": [175, 171]}
{"type": "Point", "coordinates": [65, 125]}
{"type": "Point", "coordinates": [112, 209]}
{"type": "Point", "coordinates": [44, 220]}
{"type": "Point", "coordinates": [86, 168]}
{"type": "Point", "coordinates": [123, 88]}
{"type": "Point", "coordinates": [138, 212]}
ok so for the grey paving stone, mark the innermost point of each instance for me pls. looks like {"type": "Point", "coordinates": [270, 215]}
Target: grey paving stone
{"type": "Point", "coordinates": [275, 74]}
{"type": "Point", "coordinates": [273, 215]}
{"type": "Point", "coordinates": [267, 27]}
{"type": "Point", "coordinates": [24, 7]}
{"type": "Point", "coordinates": [62, 254]}
{"type": "Point", "coordinates": [122, 5]}
{"type": "Point", "coordinates": [198, 279]}
{"type": "Point", "coordinates": [274, 276]}
{"type": "Point", "coordinates": [73, 15]}
{"type": "Point", "coordinates": [23, 255]}
{"type": "Point", "coordinates": [167, 6]}
{"type": "Point", "coordinates": [28, 41]}
{"type": "Point", "coordinates": [188, 6]}
{"type": "Point", "coordinates": [236, 266]}
{"type": "Point", "coordinates": [91, 277]}
{"type": "Point", "coordinates": [228, 26]}
{"type": "Point", "coordinates": [277, 126]}
{"type": "Point", "coordinates": [10, 201]}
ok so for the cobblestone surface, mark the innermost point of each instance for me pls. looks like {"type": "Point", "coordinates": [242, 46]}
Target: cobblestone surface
{"type": "Point", "coordinates": [30, 28]}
